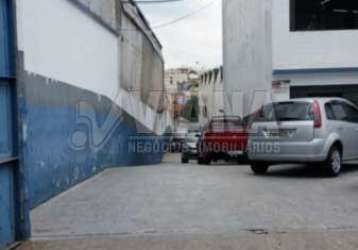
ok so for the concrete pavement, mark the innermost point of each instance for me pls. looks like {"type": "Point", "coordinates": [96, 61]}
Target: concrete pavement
{"type": "Point", "coordinates": [289, 241]}
{"type": "Point", "coordinates": [175, 206]}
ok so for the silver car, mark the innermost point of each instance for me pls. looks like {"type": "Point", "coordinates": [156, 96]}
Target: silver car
{"type": "Point", "coordinates": [190, 146]}
{"type": "Point", "coordinates": [310, 130]}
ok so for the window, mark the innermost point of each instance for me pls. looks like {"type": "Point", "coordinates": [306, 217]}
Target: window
{"type": "Point", "coordinates": [329, 112]}
{"type": "Point", "coordinates": [352, 113]}
{"type": "Point", "coordinates": [312, 15]}
{"type": "Point", "coordinates": [339, 111]}
{"type": "Point", "coordinates": [286, 111]}
{"type": "Point", "coordinates": [226, 125]}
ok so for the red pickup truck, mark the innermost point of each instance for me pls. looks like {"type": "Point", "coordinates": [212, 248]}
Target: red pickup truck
{"type": "Point", "coordinates": [222, 138]}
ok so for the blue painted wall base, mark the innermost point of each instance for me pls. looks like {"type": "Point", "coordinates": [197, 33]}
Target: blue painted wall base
{"type": "Point", "coordinates": [52, 120]}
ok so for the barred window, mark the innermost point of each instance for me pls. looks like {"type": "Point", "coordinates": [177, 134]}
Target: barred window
{"type": "Point", "coordinates": [314, 15]}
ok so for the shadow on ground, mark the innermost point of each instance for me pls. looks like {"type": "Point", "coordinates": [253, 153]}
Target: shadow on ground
{"type": "Point", "coordinates": [306, 171]}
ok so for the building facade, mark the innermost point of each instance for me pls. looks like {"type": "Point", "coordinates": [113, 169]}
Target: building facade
{"type": "Point", "coordinates": [176, 80]}
{"type": "Point", "coordinates": [211, 95]}
{"type": "Point", "coordinates": [81, 85]}
{"type": "Point", "coordinates": [292, 48]}
{"type": "Point", "coordinates": [174, 77]}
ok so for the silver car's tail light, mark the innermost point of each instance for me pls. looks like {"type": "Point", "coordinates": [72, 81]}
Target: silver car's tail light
{"type": "Point", "coordinates": [317, 114]}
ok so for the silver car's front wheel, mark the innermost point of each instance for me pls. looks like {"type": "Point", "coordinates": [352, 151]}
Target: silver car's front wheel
{"type": "Point", "coordinates": [334, 162]}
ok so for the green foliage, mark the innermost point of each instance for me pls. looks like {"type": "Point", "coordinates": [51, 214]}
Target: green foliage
{"type": "Point", "coordinates": [191, 110]}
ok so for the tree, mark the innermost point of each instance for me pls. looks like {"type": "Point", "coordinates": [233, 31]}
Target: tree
{"type": "Point", "coordinates": [191, 110]}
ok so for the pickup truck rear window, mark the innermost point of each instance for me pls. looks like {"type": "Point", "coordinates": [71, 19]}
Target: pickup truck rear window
{"type": "Point", "coordinates": [225, 125]}
{"type": "Point", "coordinates": [286, 111]}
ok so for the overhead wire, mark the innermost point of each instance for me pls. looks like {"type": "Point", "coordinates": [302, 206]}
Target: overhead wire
{"type": "Point", "coordinates": [175, 20]}
{"type": "Point", "coordinates": [193, 13]}
{"type": "Point", "coordinates": [178, 19]}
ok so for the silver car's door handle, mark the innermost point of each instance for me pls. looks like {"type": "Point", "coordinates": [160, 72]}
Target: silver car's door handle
{"type": "Point", "coordinates": [356, 129]}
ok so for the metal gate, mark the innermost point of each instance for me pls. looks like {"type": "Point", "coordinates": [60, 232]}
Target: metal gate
{"type": "Point", "coordinates": [7, 166]}
{"type": "Point", "coordinates": [8, 158]}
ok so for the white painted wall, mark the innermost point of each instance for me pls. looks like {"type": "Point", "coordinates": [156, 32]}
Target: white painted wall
{"type": "Point", "coordinates": [313, 49]}
{"type": "Point", "coordinates": [219, 95]}
{"type": "Point", "coordinates": [247, 54]}
{"type": "Point", "coordinates": [211, 95]}
{"type": "Point", "coordinates": [62, 43]}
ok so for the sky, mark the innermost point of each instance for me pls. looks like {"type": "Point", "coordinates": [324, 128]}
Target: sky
{"type": "Point", "coordinates": [194, 41]}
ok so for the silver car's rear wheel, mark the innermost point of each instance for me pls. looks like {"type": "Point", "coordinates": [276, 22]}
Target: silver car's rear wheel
{"type": "Point", "coordinates": [259, 168]}
{"type": "Point", "coordinates": [334, 162]}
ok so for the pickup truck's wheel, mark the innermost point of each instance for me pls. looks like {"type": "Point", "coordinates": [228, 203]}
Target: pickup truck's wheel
{"type": "Point", "coordinates": [204, 160]}
{"type": "Point", "coordinates": [333, 163]}
{"type": "Point", "coordinates": [259, 168]}
{"type": "Point", "coordinates": [184, 160]}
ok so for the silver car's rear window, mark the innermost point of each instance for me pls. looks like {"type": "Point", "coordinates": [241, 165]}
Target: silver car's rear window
{"type": "Point", "coordinates": [286, 111]}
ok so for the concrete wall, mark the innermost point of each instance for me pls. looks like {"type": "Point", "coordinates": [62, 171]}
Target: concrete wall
{"type": "Point", "coordinates": [106, 10]}
{"type": "Point", "coordinates": [143, 70]}
{"type": "Point", "coordinates": [312, 49]}
{"type": "Point", "coordinates": [211, 95]}
{"type": "Point", "coordinates": [77, 120]}
{"type": "Point", "coordinates": [247, 54]}
{"type": "Point", "coordinates": [131, 47]}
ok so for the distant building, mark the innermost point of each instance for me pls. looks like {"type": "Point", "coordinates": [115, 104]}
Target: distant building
{"type": "Point", "coordinates": [183, 96]}
{"type": "Point", "coordinates": [173, 77]}
{"type": "Point", "coordinates": [177, 81]}
{"type": "Point", "coordinates": [290, 48]}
